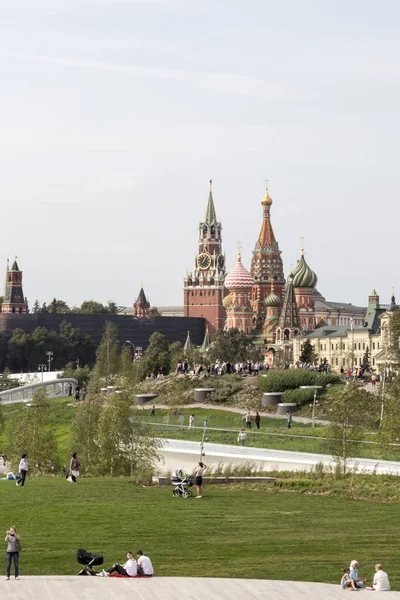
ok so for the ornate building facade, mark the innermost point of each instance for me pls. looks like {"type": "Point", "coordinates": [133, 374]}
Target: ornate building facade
{"type": "Point", "coordinates": [204, 286]}
{"type": "Point", "coordinates": [141, 306]}
{"type": "Point", "coordinates": [239, 312]}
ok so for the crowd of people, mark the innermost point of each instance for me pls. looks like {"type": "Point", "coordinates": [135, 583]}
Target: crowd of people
{"type": "Point", "coordinates": [222, 368]}
{"type": "Point", "coordinates": [353, 582]}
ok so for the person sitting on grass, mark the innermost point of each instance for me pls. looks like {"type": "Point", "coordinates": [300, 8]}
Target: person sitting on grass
{"type": "Point", "coordinates": [359, 581]}
{"type": "Point", "coordinates": [129, 569]}
{"type": "Point", "coordinates": [144, 566]}
{"type": "Point", "coordinates": [347, 582]}
{"type": "Point", "coordinates": [381, 580]}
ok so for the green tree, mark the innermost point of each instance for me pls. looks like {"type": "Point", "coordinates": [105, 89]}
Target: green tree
{"type": "Point", "coordinates": [107, 363]}
{"type": "Point", "coordinates": [128, 367]}
{"type": "Point", "coordinates": [58, 307]}
{"type": "Point", "coordinates": [30, 431]}
{"type": "Point", "coordinates": [351, 411]}
{"type": "Point", "coordinates": [157, 358]}
{"type": "Point", "coordinates": [81, 374]}
{"type": "Point", "coordinates": [230, 346]}
{"type": "Point", "coordinates": [366, 360]}
{"type": "Point", "coordinates": [76, 346]}
{"type": "Point", "coordinates": [308, 354]}
{"type": "Point", "coordinates": [125, 444]}
{"type": "Point", "coordinates": [18, 350]}
{"type": "Point", "coordinates": [154, 312]}
{"type": "Point", "coordinates": [97, 308]}
{"type": "Point", "coordinates": [36, 307]}
{"type": "Point", "coordinates": [84, 432]}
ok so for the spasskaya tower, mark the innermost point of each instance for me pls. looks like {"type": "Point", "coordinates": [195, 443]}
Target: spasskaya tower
{"type": "Point", "coordinates": [204, 286]}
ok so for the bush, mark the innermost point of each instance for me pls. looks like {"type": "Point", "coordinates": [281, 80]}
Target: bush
{"type": "Point", "coordinates": [300, 397]}
{"type": "Point", "coordinates": [290, 379]}
{"type": "Point", "coordinates": [225, 386]}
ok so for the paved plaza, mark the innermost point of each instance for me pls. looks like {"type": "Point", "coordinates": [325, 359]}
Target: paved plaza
{"type": "Point", "coordinates": [170, 588]}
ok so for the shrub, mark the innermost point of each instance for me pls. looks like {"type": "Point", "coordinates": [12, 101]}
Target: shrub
{"type": "Point", "coordinates": [298, 396]}
{"type": "Point", "coordinates": [290, 379]}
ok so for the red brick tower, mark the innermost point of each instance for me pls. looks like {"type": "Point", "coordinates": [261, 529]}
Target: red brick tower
{"type": "Point", "coordinates": [266, 265]}
{"type": "Point", "coordinates": [14, 301]}
{"type": "Point", "coordinates": [141, 307]}
{"type": "Point", "coordinates": [204, 286]}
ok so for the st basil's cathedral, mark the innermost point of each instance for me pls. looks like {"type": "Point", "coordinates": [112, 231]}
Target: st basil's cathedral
{"type": "Point", "coordinates": [261, 303]}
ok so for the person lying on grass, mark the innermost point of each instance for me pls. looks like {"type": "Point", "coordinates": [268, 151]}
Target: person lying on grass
{"type": "Point", "coordinates": [347, 582]}
{"type": "Point", "coordinates": [129, 569]}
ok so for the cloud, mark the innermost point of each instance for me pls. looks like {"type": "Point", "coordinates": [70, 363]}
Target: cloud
{"type": "Point", "coordinates": [227, 83]}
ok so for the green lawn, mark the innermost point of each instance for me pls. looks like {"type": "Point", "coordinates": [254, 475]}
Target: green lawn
{"type": "Point", "coordinates": [232, 532]}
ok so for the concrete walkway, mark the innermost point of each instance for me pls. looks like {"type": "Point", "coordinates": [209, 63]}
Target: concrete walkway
{"type": "Point", "coordinates": [241, 411]}
{"type": "Point", "coordinates": [170, 588]}
{"type": "Point", "coordinates": [185, 454]}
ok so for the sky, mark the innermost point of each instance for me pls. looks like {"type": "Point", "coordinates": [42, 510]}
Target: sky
{"type": "Point", "coordinates": [116, 113]}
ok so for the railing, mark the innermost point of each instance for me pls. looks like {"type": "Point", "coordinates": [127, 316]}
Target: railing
{"type": "Point", "coordinates": [55, 388]}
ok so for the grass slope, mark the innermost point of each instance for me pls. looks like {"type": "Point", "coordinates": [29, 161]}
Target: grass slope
{"type": "Point", "coordinates": [232, 532]}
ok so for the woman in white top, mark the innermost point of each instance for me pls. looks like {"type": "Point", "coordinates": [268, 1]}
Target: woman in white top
{"type": "Point", "coordinates": [23, 469]}
{"type": "Point", "coordinates": [198, 472]}
{"type": "Point", "coordinates": [381, 580]}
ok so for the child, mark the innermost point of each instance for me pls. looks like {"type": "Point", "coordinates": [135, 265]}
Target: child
{"type": "Point", "coordinates": [347, 582]}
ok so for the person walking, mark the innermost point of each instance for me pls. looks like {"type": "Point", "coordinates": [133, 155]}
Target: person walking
{"type": "Point", "coordinates": [153, 411]}
{"type": "Point", "coordinates": [248, 419]}
{"type": "Point", "coordinates": [13, 547]}
{"type": "Point", "coordinates": [23, 469]}
{"type": "Point", "coordinates": [242, 437]}
{"type": "Point", "coordinates": [198, 472]}
{"type": "Point", "coordinates": [74, 466]}
{"type": "Point", "coordinates": [191, 421]}
{"type": "Point", "coordinates": [257, 420]}
{"type": "Point", "coordinates": [289, 419]}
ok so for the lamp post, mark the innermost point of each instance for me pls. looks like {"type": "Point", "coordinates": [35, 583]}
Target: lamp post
{"type": "Point", "coordinates": [49, 355]}
{"type": "Point", "coordinates": [133, 346]}
{"type": "Point", "coordinates": [42, 368]}
{"type": "Point", "coordinates": [315, 388]}
{"type": "Point", "coordinates": [352, 344]}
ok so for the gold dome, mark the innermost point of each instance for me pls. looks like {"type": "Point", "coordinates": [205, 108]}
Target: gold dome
{"type": "Point", "coordinates": [227, 301]}
{"type": "Point", "coordinates": [267, 200]}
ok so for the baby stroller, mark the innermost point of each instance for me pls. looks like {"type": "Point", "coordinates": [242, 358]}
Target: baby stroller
{"type": "Point", "coordinates": [182, 483]}
{"type": "Point", "coordinates": [90, 560]}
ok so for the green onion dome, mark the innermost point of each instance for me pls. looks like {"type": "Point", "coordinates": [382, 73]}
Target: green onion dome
{"type": "Point", "coordinates": [272, 299]}
{"type": "Point", "coordinates": [303, 276]}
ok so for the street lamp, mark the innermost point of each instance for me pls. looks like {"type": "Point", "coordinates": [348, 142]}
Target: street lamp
{"type": "Point", "coordinates": [315, 388]}
{"type": "Point", "coordinates": [352, 344]}
{"type": "Point", "coordinates": [133, 346]}
{"type": "Point", "coordinates": [42, 368]}
{"type": "Point", "coordinates": [49, 355]}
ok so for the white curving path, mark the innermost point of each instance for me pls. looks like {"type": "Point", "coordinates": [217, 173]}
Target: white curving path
{"type": "Point", "coordinates": [184, 454]}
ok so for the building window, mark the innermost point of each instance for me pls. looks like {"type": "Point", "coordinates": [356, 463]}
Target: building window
{"type": "Point", "coordinates": [379, 345]}
{"type": "Point", "coordinates": [363, 345]}
{"type": "Point", "coordinates": [373, 345]}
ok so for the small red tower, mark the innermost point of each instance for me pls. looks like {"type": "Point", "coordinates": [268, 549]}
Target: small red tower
{"type": "Point", "coordinates": [141, 307]}
{"type": "Point", "coordinates": [204, 286]}
{"type": "Point", "coordinates": [14, 301]}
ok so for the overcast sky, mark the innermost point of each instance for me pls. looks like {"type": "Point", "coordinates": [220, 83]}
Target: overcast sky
{"type": "Point", "coordinates": [116, 113]}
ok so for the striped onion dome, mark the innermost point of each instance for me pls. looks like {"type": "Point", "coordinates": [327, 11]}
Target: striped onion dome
{"type": "Point", "coordinates": [272, 299]}
{"type": "Point", "coordinates": [239, 277]}
{"type": "Point", "coordinates": [303, 276]}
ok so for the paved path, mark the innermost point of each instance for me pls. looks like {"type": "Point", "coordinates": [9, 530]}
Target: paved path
{"type": "Point", "coordinates": [170, 588]}
{"type": "Point", "coordinates": [234, 409]}
{"type": "Point", "coordinates": [184, 454]}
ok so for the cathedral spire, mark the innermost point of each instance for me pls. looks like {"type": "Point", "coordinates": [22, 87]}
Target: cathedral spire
{"type": "Point", "coordinates": [211, 215]}
{"type": "Point", "coordinates": [266, 239]}
{"type": "Point", "coordinates": [289, 318]}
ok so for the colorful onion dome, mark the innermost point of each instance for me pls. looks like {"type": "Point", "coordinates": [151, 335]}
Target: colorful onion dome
{"type": "Point", "coordinates": [227, 301]}
{"type": "Point", "coordinates": [272, 299]}
{"type": "Point", "coordinates": [239, 277]}
{"type": "Point", "coordinates": [303, 276]}
{"type": "Point", "coordinates": [267, 200]}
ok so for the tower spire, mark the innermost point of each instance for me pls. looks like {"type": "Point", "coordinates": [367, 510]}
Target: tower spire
{"type": "Point", "coordinates": [211, 215]}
